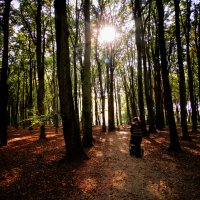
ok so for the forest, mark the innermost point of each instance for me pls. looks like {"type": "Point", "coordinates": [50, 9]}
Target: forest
{"type": "Point", "coordinates": [74, 74]}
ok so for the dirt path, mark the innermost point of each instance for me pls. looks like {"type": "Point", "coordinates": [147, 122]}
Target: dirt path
{"type": "Point", "coordinates": [113, 174]}
{"type": "Point", "coordinates": [29, 169]}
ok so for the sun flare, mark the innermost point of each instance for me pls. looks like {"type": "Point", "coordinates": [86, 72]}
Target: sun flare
{"type": "Point", "coordinates": [107, 34]}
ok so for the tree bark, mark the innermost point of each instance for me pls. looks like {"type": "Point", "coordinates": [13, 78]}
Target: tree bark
{"type": "Point", "coordinates": [149, 101]}
{"type": "Point", "coordinates": [101, 89]}
{"type": "Point", "coordinates": [138, 39]}
{"type": "Point", "coordinates": [197, 39]}
{"type": "Point", "coordinates": [75, 62]}
{"type": "Point", "coordinates": [160, 121]}
{"type": "Point", "coordinates": [174, 142]}
{"type": "Point", "coordinates": [190, 75]}
{"type": "Point", "coordinates": [4, 76]}
{"type": "Point", "coordinates": [119, 103]}
{"type": "Point", "coordinates": [70, 125]}
{"type": "Point", "coordinates": [111, 118]}
{"type": "Point", "coordinates": [86, 82]}
{"type": "Point", "coordinates": [40, 70]}
{"type": "Point", "coordinates": [182, 86]}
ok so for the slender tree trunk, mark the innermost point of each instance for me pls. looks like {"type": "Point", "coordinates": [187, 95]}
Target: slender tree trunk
{"type": "Point", "coordinates": [30, 96]}
{"type": "Point", "coordinates": [86, 82]}
{"type": "Point", "coordinates": [149, 102]}
{"type": "Point", "coordinates": [127, 101]}
{"type": "Point", "coordinates": [190, 75]}
{"type": "Point", "coordinates": [133, 94]}
{"type": "Point", "coordinates": [182, 86]}
{"type": "Point", "coordinates": [101, 88]}
{"type": "Point", "coordinates": [149, 78]}
{"type": "Point", "coordinates": [160, 122]}
{"type": "Point", "coordinates": [70, 125]}
{"type": "Point", "coordinates": [139, 65]}
{"type": "Point", "coordinates": [197, 40]}
{"type": "Point", "coordinates": [54, 82]}
{"type": "Point", "coordinates": [174, 142]}
{"type": "Point", "coordinates": [17, 101]}
{"type": "Point", "coordinates": [4, 76]}
{"type": "Point", "coordinates": [198, 52]}
{"type": "Point", "coordinates": [22, 100]}
{"type": "Point", "coordinates": [40, 69]}
{"type": "Point", "coordinates": [75, 63]}
{"type": "Point", "coordinates": [99, 65]}
{"type": "Point", "coordinates": [116, 104]}
{"type": "Point", "coordinates": [96, 105]}
{"type": "Point", "coordinates": [119, 104]}
{"type": "Point", "coordinates": [111, 118]}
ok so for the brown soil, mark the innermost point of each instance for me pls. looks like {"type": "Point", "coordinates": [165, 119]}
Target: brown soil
{"type": "Point", "coordinates": [29, 168]}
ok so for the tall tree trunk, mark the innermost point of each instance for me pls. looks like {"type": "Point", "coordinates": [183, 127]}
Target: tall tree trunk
{"type": "Point", "coordinates": [119, 103]}
{"type": "Point", "coordinates": [149, 78]}
{"type": "Point", "coordinates": [4, 76]}
{"type": "Point", "coordinates": [198, 56]}
{"type": "Point", "coordinates": [138, 39]}
{"type": "Point", "coordinates": [182, 86]}
{"type": "Point", "coordinates": [190, 75]}
{"type": "Point", "coordinates": [116, 104]}
{"type": "Point", "coordinates": [111, 117]}
{"type": "Point", "coordinates": [22, 107]}
{"type": "Point", "coordinates": [17, 101]}
{"type": "Point", "coordinates": [197, 39]}
{"type": "Point", "coordinates": [30, 96]}
{"type": "Point", "coordinates": [40, 69]}
{"type": "Point", "coordinates": [70, 125]}
{"type": "Point", "coordinates": [75, 63]}
{"type": "Point", "coordinates": [96, 104]}
{"type": "Point", "coordinates": [160, 121]}
{"type": "Point", "coordinates": [134, 108]}
{"type": "Point", "coordinates": [54, 81]}
{"type": "Point", "coordinates": [127, 93]}
{"type": "Point", "coordinates": [149, 101]}
{"type": "Point", "coordinates": [86, 82]}
{"type": "Point", "coordinates": [101, 89]}
{"type": "Point", "coordinates": [174, 142]}
{"type": "Point", "coordinates": [99, 65]}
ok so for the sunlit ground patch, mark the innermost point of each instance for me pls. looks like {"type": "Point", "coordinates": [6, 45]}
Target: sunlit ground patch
{"type": "Point", "coordinates": [87, 184]}
{"type": "Point", "coordinates": [192, 151]}
{"type": "Point", "coordinates": [158, 189]}
{"type": "Point", "coordinates": [119, 179]}
{"type": "Point", "coordinates": [99, 154]}
{"type": "Point", "coordinates": [123, 132]}
{"type": "Point", "coordinates": [30, 138]}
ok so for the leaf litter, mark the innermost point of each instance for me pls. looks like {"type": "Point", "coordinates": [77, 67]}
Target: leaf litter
{"type": "Point", "coordinates": [29, 168]}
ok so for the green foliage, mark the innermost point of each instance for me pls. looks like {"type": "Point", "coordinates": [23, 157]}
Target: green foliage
{"type": "Point", "coordinates": [22, 56]}
{"type": "Point", "coordinates": [36, 119]}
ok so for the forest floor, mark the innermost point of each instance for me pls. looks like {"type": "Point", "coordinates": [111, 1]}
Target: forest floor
{"type": "Point", "coordinates": [29, 168]}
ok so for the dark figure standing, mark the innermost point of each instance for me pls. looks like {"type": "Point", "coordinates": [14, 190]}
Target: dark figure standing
{"type": "Point", "coordinates": [136, 138]}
